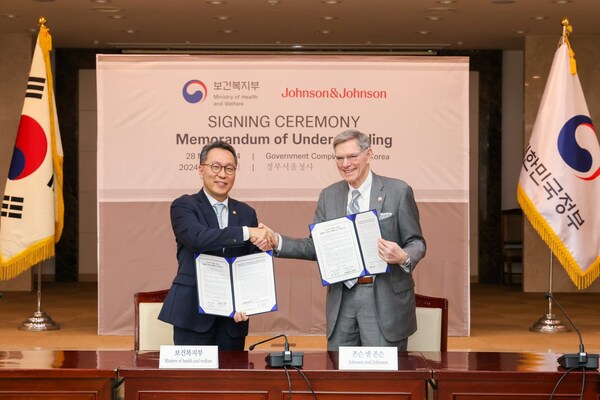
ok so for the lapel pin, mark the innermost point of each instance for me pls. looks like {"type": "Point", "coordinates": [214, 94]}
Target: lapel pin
{"type": "Point", "coordinates": [234, 212]}
{"type": "Point", "coordinates": [380, 199]}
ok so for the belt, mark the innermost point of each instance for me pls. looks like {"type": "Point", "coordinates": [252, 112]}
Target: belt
{"type": "Point", "coordinates": [365, 280]}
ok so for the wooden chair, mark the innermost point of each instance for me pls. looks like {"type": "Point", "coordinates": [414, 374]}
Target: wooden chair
{"type": "Point", "coordinates": [432, 325]}
{"type": "Point", "coordinates": [512, 244]}
{"type": "Point", "coordinates": [149, 331]}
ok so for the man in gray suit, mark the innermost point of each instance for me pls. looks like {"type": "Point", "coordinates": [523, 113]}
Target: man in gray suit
{"type": "Point", "coordinates": [373, 310]}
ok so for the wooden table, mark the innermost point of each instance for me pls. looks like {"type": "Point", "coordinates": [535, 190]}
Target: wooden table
{"type": "Point", "coordinates": [245, 376]}
{"type": "Point", "coordinates": [506, 376]}
{"type": "Point", "coordinates": [50, 374]}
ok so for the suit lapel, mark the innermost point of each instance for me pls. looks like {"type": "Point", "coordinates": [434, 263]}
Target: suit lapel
{"type": "Point", "coordinates": [377, 194]}
{"type": "Point", "coordinates": [233, 216]}
{"type": "Point", "coordinates": [207, 210]}
{"type": "Point", "coordinates": [341, 200]}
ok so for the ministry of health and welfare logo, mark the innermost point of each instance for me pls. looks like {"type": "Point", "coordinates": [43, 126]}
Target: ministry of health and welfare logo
{"type": "Point", "coordinates": [194, 91]}
{"type": "Point", "coordinates": [584, 161]}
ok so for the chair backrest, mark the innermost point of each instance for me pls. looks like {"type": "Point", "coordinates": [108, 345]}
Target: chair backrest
{"type": "Point", "coordinates": [512, 227]}
{"type": "Point", "coordinates": [149, 331]}
{"type": "Point", "coordinates": [432, 325]}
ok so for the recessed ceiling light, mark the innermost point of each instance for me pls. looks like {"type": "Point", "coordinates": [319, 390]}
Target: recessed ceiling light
{"type": "Point", "coordinates": [446, 2]}
{"type": "Point", "coordinates": [433, 17]}
{"type": "Point", "coordinates": [116, 16]}
{"type": "Point", "coordinates": [296, 46]}
{"type": "Point", "coordinates": [10, 16]}
{"type": "Point", "coordinates": [423, 32]}
{"type": "Point", "coordinates": [222, 17]}
{"type": "Point", "coordinates": [441, 9]}
{"type": "Point", "coordinates": [227, 31]}
{"type": "Point", "coordinates": [325, 31]}
{"type": "Point", "coordinates": [536, 77]}
{"type": "Point", "coordinates": [101, 1]}
{"type": "Point", "coordinates": [215, 2]}
{"type": "Point", "coordinates": [328, 17]}
{"type": "Point", "coordinates": [520, 32]}
{"type": "Point", "coordinates": [107, 9]}
{"type": "Point", "coordinates": [562, 1]}
{"type": "Point", "coordinates": [273, 2]}
{"type": "Point", "coordinates": [331, 1]}
{"type": "Point", "coordinates": [130, 31]}
{"type": "Point", "coordinates": [539, 17]}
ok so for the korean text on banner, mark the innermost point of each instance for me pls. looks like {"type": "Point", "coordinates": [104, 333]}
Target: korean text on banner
{"type": "Point", "coordinates": [31, 219]}
{"type": "Point", "coordinates": [559, 185]}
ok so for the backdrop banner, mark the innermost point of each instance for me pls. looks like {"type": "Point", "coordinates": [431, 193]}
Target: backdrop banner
{"type": "Point", "coordinates": [281, 114]}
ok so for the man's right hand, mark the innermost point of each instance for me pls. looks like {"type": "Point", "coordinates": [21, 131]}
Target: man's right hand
{"type": "Point", "coordinates": [267, 242]}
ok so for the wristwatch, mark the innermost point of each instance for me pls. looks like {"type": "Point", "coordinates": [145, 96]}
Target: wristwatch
{"type": "Point", "coordinates": [406, 263]}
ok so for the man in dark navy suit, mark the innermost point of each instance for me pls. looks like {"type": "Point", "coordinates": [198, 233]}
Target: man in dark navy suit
{"type": "Point", "coordinates": [209, 222]}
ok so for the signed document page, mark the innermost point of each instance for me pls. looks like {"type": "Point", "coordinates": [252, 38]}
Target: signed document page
{"type": "Point", "coordinates": [214, 285]}
{"type": "Point", "coordinates": [367, 229]}
{"type": "Point", "coordinates": [254, 283]}
{"type": "Point", "coordinates": [337, 250]}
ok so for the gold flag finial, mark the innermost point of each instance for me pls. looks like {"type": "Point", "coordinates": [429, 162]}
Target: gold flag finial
{"type": "Point", "coordinates": [42, 21]}
{"type": "Point", "coordinates": [567, 30]}
{"type": "Point", "coordinates": [567, 27]}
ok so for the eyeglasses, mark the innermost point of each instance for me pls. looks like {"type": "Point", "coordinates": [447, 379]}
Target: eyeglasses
{"type": "Point", "coordinates": [216, 168]}
{"type": "Point", "coordinates": [351, 158]}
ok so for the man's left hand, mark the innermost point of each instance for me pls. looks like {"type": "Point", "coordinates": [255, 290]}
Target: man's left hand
{"type": "Point", "coordinates": [391, 252]}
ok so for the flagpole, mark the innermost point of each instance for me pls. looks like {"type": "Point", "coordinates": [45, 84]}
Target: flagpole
{"type": "Point", "coordinates": [549, 323]}
{"type": "Point", "coordinates": [39, 321]}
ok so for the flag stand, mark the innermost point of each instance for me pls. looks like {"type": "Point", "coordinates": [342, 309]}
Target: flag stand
{"type": "Point", "coordinates": [39, 321]}
{"type": "Point", "coordinates": [549, 323]}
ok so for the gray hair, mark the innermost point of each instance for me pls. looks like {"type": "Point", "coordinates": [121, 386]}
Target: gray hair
{"type": "Point", "coordinates": [364, 142]}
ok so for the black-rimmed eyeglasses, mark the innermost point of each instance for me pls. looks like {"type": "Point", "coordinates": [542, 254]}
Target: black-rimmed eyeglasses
{"type": "Point", "coordinates": [216, 168]}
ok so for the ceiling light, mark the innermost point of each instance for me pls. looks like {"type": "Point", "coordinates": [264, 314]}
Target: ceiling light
{"type": "Point", "coordinates": [423, 32]}
{"type": "Point", "coordinates": [328, 17]}
{"type": "Point", "coordinates": [227, 31]}
{"type": "Point", "coordinates": [331, 1]}
{"type": "Point", "coordinates": [326, 31]}
{"type": "Point", "coordinates": [561, 1]}
{"type": "Point", "coordinates": [107, 9]}
{"type": "Point", "coordinates": [539, 17]}
{"type": "Point", "coordinates": [433, 17]}
{"type": "Point", "coordinates": [222, 17]}
{"type": "Point", "coordinates": [10, 16]}
{"type": "Point", "coordinates": [520, 32]}
{"type": "Point", "coordinates": [273, 2]}
{"type": "Point", "coordinates": [215, 2]}
{"type": "Point", "coordinates": [130, 31]}
{"type": "Point", "coordinates": [446, 2]}
{"type": "Point", "coordinates": [441, 9]}
{"type": "Point", "coordinates": [116, 16]}
{"type": "Point", "coordinates": [101, 1]}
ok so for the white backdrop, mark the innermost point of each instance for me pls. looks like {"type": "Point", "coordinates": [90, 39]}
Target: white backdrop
{"type": "Point", "coordinates": [281, 114]}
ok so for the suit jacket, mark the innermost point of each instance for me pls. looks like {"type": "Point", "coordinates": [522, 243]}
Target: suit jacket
{"type": "Point", "coordinates": [399, 221]}
{"type": "Point", "coordinates": [196, 229]}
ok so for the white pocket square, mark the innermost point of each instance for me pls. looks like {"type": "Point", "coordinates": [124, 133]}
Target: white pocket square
{"type": "Point", "coordinates": [385, 215]}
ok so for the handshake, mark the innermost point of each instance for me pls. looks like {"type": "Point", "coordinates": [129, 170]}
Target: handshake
{"type": "Point", "coordinates": [264, 237]}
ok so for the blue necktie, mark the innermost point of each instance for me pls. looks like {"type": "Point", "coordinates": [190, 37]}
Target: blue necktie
{"type": "Point", "coordinates": [219, 207]}
{"type": "Point", "coordinates": [353, 206]}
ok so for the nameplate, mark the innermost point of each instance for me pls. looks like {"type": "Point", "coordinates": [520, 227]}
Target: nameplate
{"type": "Point", "coordinates": [189, 357]}
{"type": "Point", "coordinates": [368, 358]}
